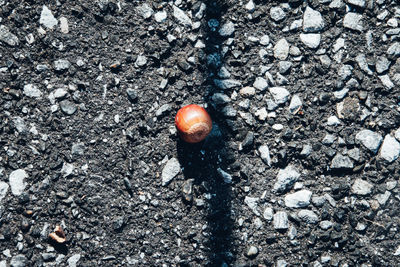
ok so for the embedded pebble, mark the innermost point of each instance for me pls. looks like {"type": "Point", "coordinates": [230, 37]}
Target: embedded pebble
{"type": "Point", "coordinates": [369, 139]}
{"type": "Point", "coordinates": [361, 187]}
{"type": "Point", "coordinates": [281, 49]}
{"type": "Point", "coordinates": [47, 19]}
{"type": "Point", "coordinates": [17, 181]}
{"type": "Point", "coordinates": [7, 37]}
{"type": "Point", "coordinates": [170, 170]}
{"type": "Point", "coordinates": [280, 220]}
{"type": "Point", "coordinates": [308, 216]}
{"type": "Point", "coordinates": [312, 20]}
{"type": "Point", "coordinates": [299, 199]}
{"type": "Point", "coordinates": [286, 178]}
{"type": "Point", "coordinates": [390, 149]}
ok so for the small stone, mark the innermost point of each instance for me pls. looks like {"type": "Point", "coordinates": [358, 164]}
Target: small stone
{"type": "Point", "coordinates": [284, 66]}
{"type": "Point", "coordinates": [281, 221]}
{"type": "Point", "coordinates": [277, 13]}
{"type": "Point", "coordinates": [312, 20]}
{"type": "Point", "coordinates": [132, 94]}
{"type": "Point", "coordinates": [170, 170]}
{"type": "Point", "coordinates": [61, 65]}
{"type": "Point", "coordinates": [67, 169]}
{"type": "Point", "coordinates": [268, 213]}
{"type": "Point", "coordinates": [361, 187]}
{"type": "Point", "coordinates": [359, 3]}
{"type": "Point", "coordinates": [227, 29]}
{"type": "Point", "coordinates": [333, 121]}
{"type": "Point", "coordinates": [227, 84]}
{"type": "Point", "coordinates": [247, 91]}
{"type": "Point", "coordinates": [251, 202]}
{"type": "Point", "coordinates": [220, 99]}
{"type": "Point", "coordinates": [353, 21]}
{"type": "Point", "coordinates": [33, 91]}
{"type": "Point", "coordinates": [341, 162]}
{"type": "Point", "coordinates": [19, 261]}
{"type": "Point", "coordinates": [225, 176]}
{"type": "Point", "coordinates": [160, 16]}
{"type": "Point", "coordinates": [7, 37]}
{"type": "Point", "coordinates": [260, 84]}
{"type": "Point", "coordinates": [20, 125]}
{"type": "Point", "coordinates": [382, 64]}
{"type": "Point", "coordinates": [360, 227]}
{"type": "Point", "coordinates": [141, 61]}
{"type": "Point", "coordinates": [164, 109]}
{"type": "Point", "coordinates": [286, 178]}
{"type": "Point", "coordinates": [390, 149]}
{"type": "Point", "coordinates": [354, 154]}
{"type": "Point", "coordinates": [280, 94]}
{"type": "Point", "coordinates": [295, 104]}
{"type": "Point", "coordinates": [78, 149]}
{"type": "Point", "coordinates": [383, 198]}
{"type": "Point", "coordinates": [311, 40]}
{"type": "Point", "coordinates": [60, 93]}
{"type": "Point", "coordinates": [47, 18]}
{"type": "Point", "coordinates": [363, 64]}
{"type": "Point", "coordinates": [250, 6]}
{"type": "Point", "coordinates": [325, 225]}
{"type": "Point", "coordinates": [299, 199]}
{"type": "Point", "coordinates": [387, 83]}
{"type": "Point", "coordinates": [252, 252]}
{"type": "Point", "coordinates": [64, 25]}
{"type": "Point", "coordinates": [264, 154]}
{"type": "Point", "coordinates": [187, 190]}
{"type": "Point", "coordinates": [281, 49]}
{"type": "Point", "coordinates": [181, 17]}
{"type": "Point", "coordinates": [17, 181]}
{"type": "Point", "coordinates": [306, 150]}
{"type": "Point", "coordinates": [397, 134]}
{"type": "Point", "coordinates": [261, 114]}
{"type": "Point", "coordinates": [264, 40]}
{"type": "Point", "coordinates": [73, 260]}
{"type": "Point", "coordinates": [369, 139]}
{"type": "Point", "coordinates": [68, 107]}
{"type": "Point", "coordinates": [145, 11]}
{"type": "Point", "coordinates": [394, 50]}
{"type": "Point", "coordinates": [3, 190]}
{"type": "Point", "coordinates": [308, 216]}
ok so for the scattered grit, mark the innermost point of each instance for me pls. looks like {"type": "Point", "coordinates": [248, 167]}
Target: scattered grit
{"type": "Point", "coordinates": [301, 168]}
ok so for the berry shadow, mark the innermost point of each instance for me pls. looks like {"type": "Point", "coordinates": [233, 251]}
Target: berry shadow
{"type": "Point", "coordinates": [202, 163]}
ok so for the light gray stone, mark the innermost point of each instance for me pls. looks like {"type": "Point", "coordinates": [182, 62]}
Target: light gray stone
{"type": "Point", "coordinates": [333, 121]}
{"type": "Point", "coordinates": [390, 149]}
{"type": "Point", "coordinates": [268, 213]}
{"type": "Point", "coordinates": [227, 29]}
{"type": "Point", "coordinates": [19, 261]}
{"type": "Point", "coordinates": [160, 16]}
{"type": "Point", "coordinates": [308, 216]}
{"type": "Point", "coordinates": [220, 99]}
{"type": "Point", "coordinates": [170, 170]}
{"type": "Point", "coordinates": [47, 19]}
{"type": "Point", "coordinates": [286, 178]}
{"type": "Point", "coordinates": [281, 49]}
{"type": "Point", "coordinates": [225, 176]}
{"type": "Point", "coordinates": [67, 169]}
{"type": "Point", "coordinates": [353, 21]}
{"type": "Point", "coordinates": [359, 3]}
{"type": "Point", "coordinates": [311, 40]}
{"type": "Point", "coordinates": [7, 37]}
{"type": "Point", "coordinates": [295, 104]}
{"type": "Point", "coordinates": [397, 134]}
{"type": "Point", "coordinates": [363, 64]}
{"type": "Point", "coordinates": [325, 225]}
{"type": "Point", "coordinates": [354, 153]}
{"type": "Point", "coordinates": [387, 83]}
{"type": "Point", "coordinates": [227, 84]}
{"type": "Point", "coordinates": [145, 11]}
{"type": "Point", "coordinates": [312, 20]}
{"type": "Point", "coordinates": [17, 181]}
{"type": "Point", "coordinates": [361, 187]}
{"type": "Point", "coordinates": [64, 28]}
{"type": "Point", "coordinates": [61, 65]}
{"type": "Point", "coordinates": [19, 124]}
{"type": "Point", "coordinates": [299, 199]}
{"type": "Point", "coordinates": [252, 203]}
{"type": "Point", "coordinates": [281, 221]}
{"type": "Point", "coordinates": [394, 49]}
{"type": "Point", "coordinates": [383, 198]}
{"type": "Point", "coordinates": [280, 94]}
{"type": "Point", "coordinates": [73, 260]}
{"type": "Point", "coordinates": [369, 139]}
{"type": "Point", "coordinates": [281, 263]}
{"type": "Point", "coordinates": [68, 107]}
{"type": "Point", "coordinates": [32, 90]}
{"type": "Point", "coordinates": [247, 91]}
{"type": "Point", "coordinates": [3, 189]}
{"type": "Point", "coordinates": [382, 64]}
{"type": "Point", "coordinates": [260, 84]}
{"type": "Point", "coordinates": [264, 154]}
{"type": "Point", "coordinates": [277, 13]}
{"type": "Point", "coordinates": [141, 61]}
{"type": "Point", "coordinates": [252, 252]}
{"type": "Point", "coordinates": [181, 17]}
{"type": "Point", "coordinates": [341, 162]}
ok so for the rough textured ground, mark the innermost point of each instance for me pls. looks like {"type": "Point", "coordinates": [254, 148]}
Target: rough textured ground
{"type": "Point", "coordinates": [301, 168]}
